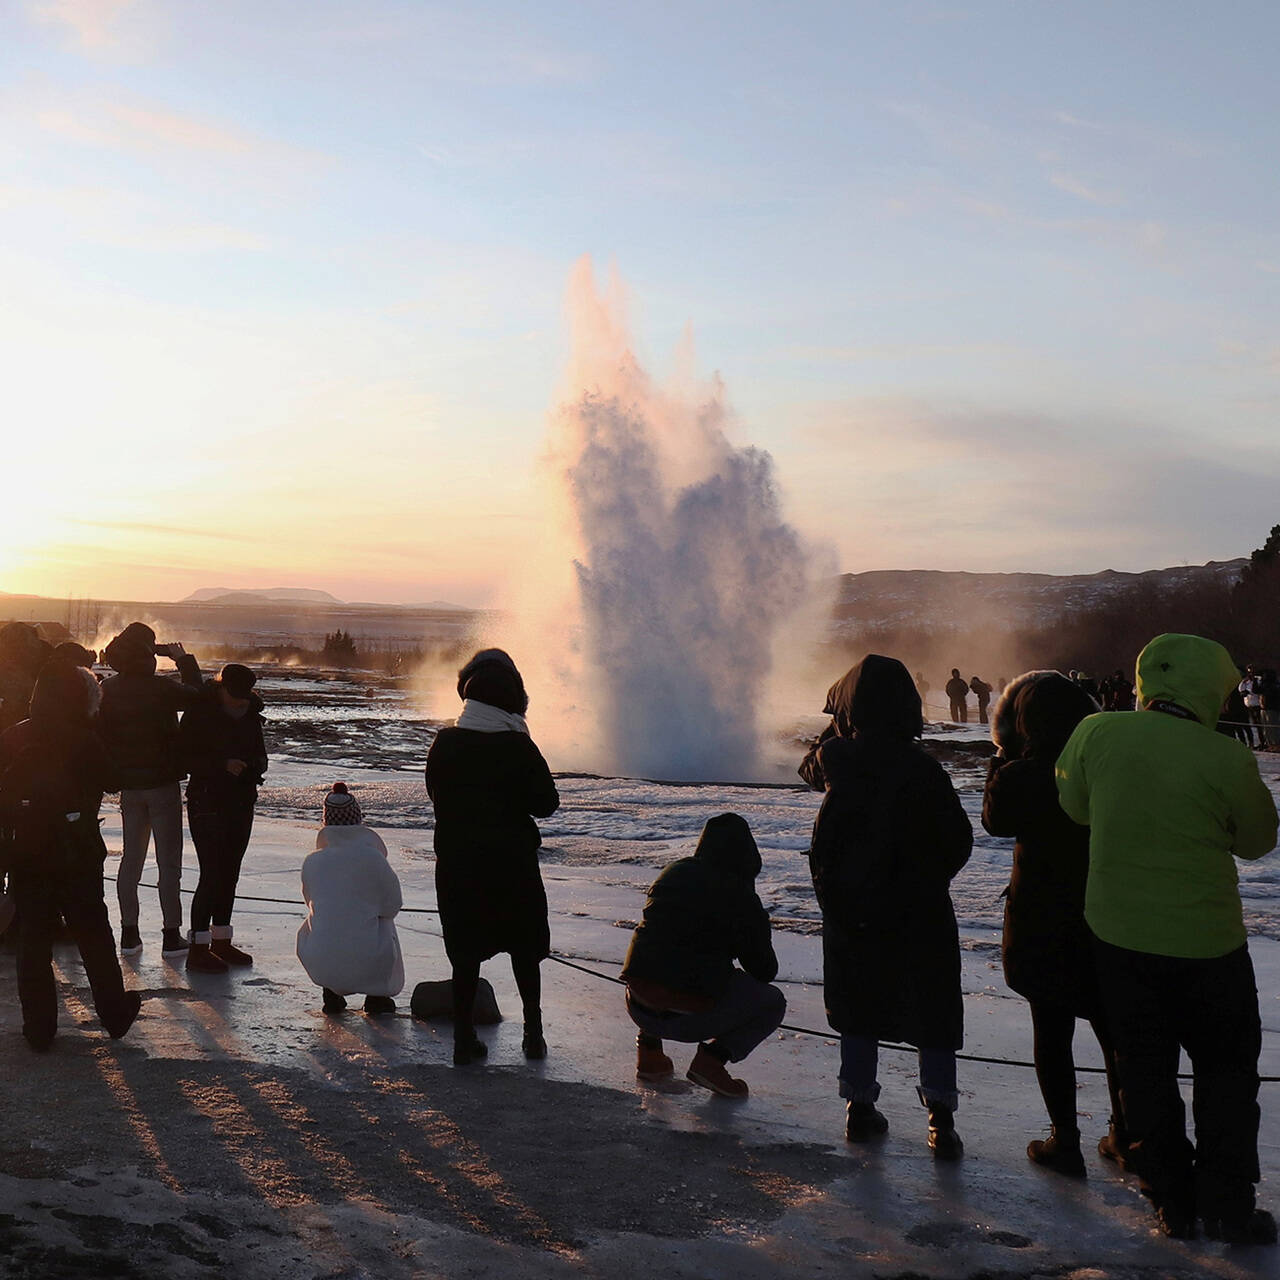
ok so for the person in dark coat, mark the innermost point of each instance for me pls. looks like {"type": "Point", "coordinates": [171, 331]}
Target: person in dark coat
{"type": "Point", "coordinates": [139, 723]}
{"type": "Point", "coordinates": [923, 686]}
{"type": "Point", "coordinates": [890, 835]}
{"type": "Point", "coordinates": [220, 745]}
{"type": "Point", "coordinates": [22, 657]}
{"type": "Point", "coordinates": [957, 690]}
{"type": "Point", "coordinates": [1048, 955]}
{"type": "Point", "coordinates": [488, 782]}
{"type": "Point", "coordinates": [702, 914]}
{"type": "Point", "coordinates": [53, 771]}
{"type": "Point", "coordinates": [982, 691]}
{"type": "Point", "coordinates": [1234, 721]}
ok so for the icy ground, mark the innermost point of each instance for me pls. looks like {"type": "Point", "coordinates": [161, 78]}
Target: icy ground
{"type": "Point", "coordinates": [237, 1130]}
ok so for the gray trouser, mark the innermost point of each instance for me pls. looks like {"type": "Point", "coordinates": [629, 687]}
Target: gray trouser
{"type": "Point", "coordinates": [154, 811]}
{"type": "Point", "coordinates": [747, 1013]}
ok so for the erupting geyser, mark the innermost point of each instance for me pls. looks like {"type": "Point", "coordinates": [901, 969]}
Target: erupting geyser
{"type": "Point", "coordinates": [685, 567]}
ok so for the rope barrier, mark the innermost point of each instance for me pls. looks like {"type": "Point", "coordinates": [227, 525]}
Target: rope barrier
{"type": "Point", "coordinates": [556, 958]}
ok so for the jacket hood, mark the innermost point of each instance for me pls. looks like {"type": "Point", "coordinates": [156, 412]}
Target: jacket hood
{"type": "Point", "coordinates": [1004, 719]}
{"type": "Point", "coordinates": [64, 695]}
{"type": "Point", "coordinates": [1048, 709]}
{"type": "Point", "coordinates": [1189, 671]}
{"type": "Point", "coordinates": [728, 845]}
{"type": "Point", "coordinates": [133, 651]}
{"type": "Point", "coordinates": [876, 696]}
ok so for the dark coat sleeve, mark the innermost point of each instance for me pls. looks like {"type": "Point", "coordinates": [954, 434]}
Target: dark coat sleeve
{"type": "Point", "coordinates": [755, 947]}
{"type": "Point", "coordinates": [1002, 807]}
{"type": "Point", "coordinates": [541, 797]}
{"type": "Point", "coordinates": [192, 683]}
{"type": "Point", "coordinates": [948, 835]}
{"type": "Point", "coordinates": [811, 766]}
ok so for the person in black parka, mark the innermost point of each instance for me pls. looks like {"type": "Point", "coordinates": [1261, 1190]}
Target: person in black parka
{"type": "Point", "coordinates": [220, 744]}
{"type": "Point", "coordinates": [488, 782]}
{"type": "Point", "coordinates": [890, 835]}
{"type": "Point", "coordinates": [53, 771]}
{"type": "Point", "coordinates": [702, 914]}
{"type": "Point", "coordinates": [1048, 955]}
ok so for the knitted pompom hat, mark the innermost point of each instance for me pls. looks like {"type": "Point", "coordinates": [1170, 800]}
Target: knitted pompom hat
{"type": "Point", "coordinates": [341, 808]}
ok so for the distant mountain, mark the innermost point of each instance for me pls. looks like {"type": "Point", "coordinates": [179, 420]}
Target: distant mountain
{"type": "Point", "coordinates": [923, 597]}
{"type": "Point", "coordinates": [252, 595]}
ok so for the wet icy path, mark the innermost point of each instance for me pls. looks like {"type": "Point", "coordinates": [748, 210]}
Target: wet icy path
{"type": "Point", "coordinates": [887, 1211]}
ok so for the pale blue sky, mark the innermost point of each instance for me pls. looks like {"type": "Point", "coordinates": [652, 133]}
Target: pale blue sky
{"type": "Point", "coordinates": [997, 284]}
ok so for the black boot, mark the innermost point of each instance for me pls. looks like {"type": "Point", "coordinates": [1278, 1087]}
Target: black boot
{"type": "Point", "coordinates": [333, 1003]}
{"type": "Point", "coordinates": [862, 1122]}
{"type": "Point", "coordinates": [533, 1044]}
{"type": "Point", "coordinates": [1258, 1227]}
{"type": "Point", "coordinates": [466, 1047]}
{"type": "Point", "coordinates": [944, 1141]}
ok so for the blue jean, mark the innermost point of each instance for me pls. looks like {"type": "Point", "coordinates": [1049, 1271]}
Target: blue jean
{"type": "Point", "coordinates": [860, 1055]}
{"type": "Point", "coordinates": [747, 1014]}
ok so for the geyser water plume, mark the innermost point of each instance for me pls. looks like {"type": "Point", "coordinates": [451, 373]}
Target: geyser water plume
{"type": "Point", "coordinates": [685, 568]}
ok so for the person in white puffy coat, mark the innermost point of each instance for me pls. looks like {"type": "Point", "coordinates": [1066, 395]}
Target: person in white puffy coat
{"type": "Point", "coordinates": [348, 942]}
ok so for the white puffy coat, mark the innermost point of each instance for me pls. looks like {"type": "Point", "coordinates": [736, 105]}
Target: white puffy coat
{"type": "Point", "coordinates": [348, 941]}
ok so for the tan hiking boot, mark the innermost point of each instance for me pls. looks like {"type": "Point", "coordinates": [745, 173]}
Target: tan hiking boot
{"type": "Point", "coordinates": [708, 1071]}
{"type": "Point", "coordinates": [653, 1064]}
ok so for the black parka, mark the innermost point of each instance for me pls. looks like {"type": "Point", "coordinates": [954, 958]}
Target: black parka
{"type": "Point", "coordinates": [487, 789]}
{"type": "Point", "coordinates": [53, 772]}
{"type": "Point", "coordinates": [702, 914]}
{"type": "Point", "coordinates": [890, 835]}
{"type": "Point", "coordinates": [1046, 944]}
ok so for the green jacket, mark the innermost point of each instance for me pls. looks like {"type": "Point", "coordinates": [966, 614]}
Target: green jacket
{"type": "Point", "coordinates": [1168, 802]}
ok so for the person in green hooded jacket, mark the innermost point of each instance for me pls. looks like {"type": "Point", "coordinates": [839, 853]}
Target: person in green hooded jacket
{"type": "Point", "coordinates": [1170, 804]}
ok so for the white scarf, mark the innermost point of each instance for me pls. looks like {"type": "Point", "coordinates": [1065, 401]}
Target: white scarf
{"type": "Point", "coordinates": [486, 719]}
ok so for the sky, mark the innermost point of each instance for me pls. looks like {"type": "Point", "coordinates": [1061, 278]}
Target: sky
{"type": "Point", "coordinates": [282, 283]}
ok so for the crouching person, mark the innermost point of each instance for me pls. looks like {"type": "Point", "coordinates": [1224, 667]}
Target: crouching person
{"type": "Point", "coordinates": [348, 943]}
{"type": "Point", "coordinates": [702, 914]}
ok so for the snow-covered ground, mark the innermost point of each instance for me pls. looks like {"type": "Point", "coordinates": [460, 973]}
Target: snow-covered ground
{"type": "Point", "coordinates": [632, 1180]}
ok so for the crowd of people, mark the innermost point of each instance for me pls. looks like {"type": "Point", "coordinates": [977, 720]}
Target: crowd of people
{"type": "Point", "coordinates": [1250, 711]}
{"type": "Point", "coordinates": [1122, 909]}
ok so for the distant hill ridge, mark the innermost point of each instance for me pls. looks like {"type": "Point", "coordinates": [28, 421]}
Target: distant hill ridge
{"type": "Point", "coordinates": [930, 596]}
{"type": "Point", "coordinates": [232, 597]}
{"type": "Point", "coordinates": [255, 595]}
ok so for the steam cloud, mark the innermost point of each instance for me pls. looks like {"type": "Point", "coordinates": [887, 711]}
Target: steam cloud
{"type": "Point", "coordinates": [685, 569]}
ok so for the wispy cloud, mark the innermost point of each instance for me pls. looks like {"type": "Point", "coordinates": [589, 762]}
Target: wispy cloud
{"type": "Point", "coordinates": [1184, 145]}
{"type": "Point", "coordinates": [141, 127]}
{"type": "Point", "coordinates": [97, 26]}
{"type": "Point", "coordinates": [168, 530]}
{"type": "Point", "coordinates": [1082, 190]}
{"type": "Point", "coordinates": [465, 47]}
{"type": "Point", "coordinates": [125, 219]}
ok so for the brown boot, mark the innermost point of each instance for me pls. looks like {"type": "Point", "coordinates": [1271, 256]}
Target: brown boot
{"type": "Point", "coordinates": [226, 950]}
{"type": "Point", "coordinates": [651, 1062]}
{"type": "Point", "coordinates": [200, 959]}
{"type": "Point", "coordinates": [708, 1071]}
